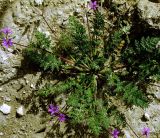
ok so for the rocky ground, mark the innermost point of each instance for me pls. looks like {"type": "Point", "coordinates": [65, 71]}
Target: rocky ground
{"type": "Point", "coordinates": [23, 115]}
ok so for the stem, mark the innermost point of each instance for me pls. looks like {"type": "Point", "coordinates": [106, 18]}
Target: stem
{"type": "Point", "coordinates": [132, 130]}
{"type": "Point", "coordinates": [48, 24]}
{"type": "Point", "coordinates": [95, 85]}
{"type": "Point", "coordinates": [154, 85]}
{"type": "Point", "coordinates": [73, 67]}
{"type": "Point", "coordinates": [19, 44]}
{"type": "Point", "coordinates": [90, 39]}
{"type": "Point", "coordinates": [101, 6]}
{"type": "Point", "coordinates": [88, 26]}
{"type": "Point", "coordinates": [67, 60]}
{"type": "Point", "coordinates": [41, 14]}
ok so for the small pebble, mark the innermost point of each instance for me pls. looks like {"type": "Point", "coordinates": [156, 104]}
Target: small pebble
{"type": "Point", "coordinates": [60, 13]}
{"type": "Point", "coordinates": [47, 33]}
{"type": "Point", "coordinates": [127, 134]}
{"type": "Point", "coordinates": [6, 99]}
{"type": "Point", "coordinates": [1, 89]}
{"type": "Point", "coordinates": [32, 86]}
{"type": "Point", "coordinates": [146, 115]}
{"type": "Point", "coordinates": [20, 111]}
{"type": "Point", "coordinates": [27, 81]}
{"type": "Point", "coordinates": [1, 133]}
{"type": "Point", "coordinates": [10, 50]}
{"type": "Point", "coordinates": [5, 109]}
{"type": "Point", "coordinates": [39, 2]}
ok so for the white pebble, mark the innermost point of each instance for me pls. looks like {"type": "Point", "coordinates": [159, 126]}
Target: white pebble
{"type": "Point", "coordinates": [27, 81]}
{"type": "Point", "coordinates": [6, 99]}
{"type": "Point", "coordinates": [146, 115]}
{"type": "Point", "coordinates": [1, 133]}
{"type": "Point", "coordinates": [60, 13]}
{"type": "Point", "coordinates": [39, 29]}
{"type": "Point", "coordinates": [10, 50]}
{"type": "Point", "coordinates": [39, 2]}
{"type": "Point", "coordinates": [47, 33]}
{"type": "Point", "coordinates": [5, 109]}
{"type": "Point", "coordinates": [127, 134]}
{"type": "Point", "coordinates": [20, 111]}
{"type": "Point", "coordinates": [33, 86]}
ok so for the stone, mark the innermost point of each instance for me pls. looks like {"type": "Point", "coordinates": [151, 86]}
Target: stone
{"type": "Point", "coordinates": [10, 50]}
{"type": "Point", "coordinates": [33, 86]}
{"type": "Point", "coordinates": [20, 111]}
{"type": "Point", "coordinates": [39, 2]}
{"type": "Point", "coordinates": [27, 81]}
{"type": "Point", "coordinates": [147, 116]}
{"type": "Point", "coordinates": [5, 109]}
{"type": "Point", "coordinates": [1, 133]}
{"type": "Point", "coordinates": [137, 118]}
{"type": "Point", "coordinates": [149, 12]}
{"type": "Point", "coordinates": [7, 99]}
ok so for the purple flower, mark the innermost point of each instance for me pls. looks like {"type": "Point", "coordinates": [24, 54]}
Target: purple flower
{"type": "Point", "coordinates": [146, 131]}
{"type": "Point", "coordinates": [7, 42]}
{"type": "Point", "coordinates": [61, 117]}
{"type": "Point", "coordinates": [115, 133]}
{"type": "Point", "coordinates": [6, 30]}
{"type": "Point", "coordinates": [93, 5]}
{"type": "Point", "coordinates": [53, 109]}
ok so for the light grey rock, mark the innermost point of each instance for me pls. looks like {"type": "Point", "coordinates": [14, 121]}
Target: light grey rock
{"type": "Point", "coordinates": [157, 94]}
{"type": "Point", "coordinates": [152, 112]}
{"type": "Point", "coordinates": [127, 134]}
{"type": "Point", "coordinates": [4, 57]}
{"type": "Point", "coordinates": [149, 12]}
{"type": "Point", "coordinates": [14, 136]}
{"type": "Point", "coordinates": [38, 135]}
{"type": "Point", "coordinates": [154, 89]}
{"type": "Point", "coordinates": [8, 62]}
{"type": "Point", "coordinates": [20, 111]}
{"type": "Point", "coordinates": [5, 109]}
{"type": "Point", "coordinates": [3, 5]}
{"type": "Point", "coordinates": [3, 120]}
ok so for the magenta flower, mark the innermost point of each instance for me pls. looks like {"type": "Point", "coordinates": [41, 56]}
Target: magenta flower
{"type": "Point", "coordinates": [146, 132]}
{"type": "Point", "coordinates": [53, 109]}
{"type": "Point", "coordinates": [7, 42]}
{"type": "Point", "coordinates": [6, 30]}
{"type": "Point", "coordinates": [93, 5]}
{"type": "Point", "coordinates": [115, 133]}
{"type": "Point", "coordinates": [61, 117]}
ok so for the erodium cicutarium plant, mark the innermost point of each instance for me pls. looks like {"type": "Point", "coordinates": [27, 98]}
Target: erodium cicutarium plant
{"type": "Point", "coordinates": [94, 68]}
